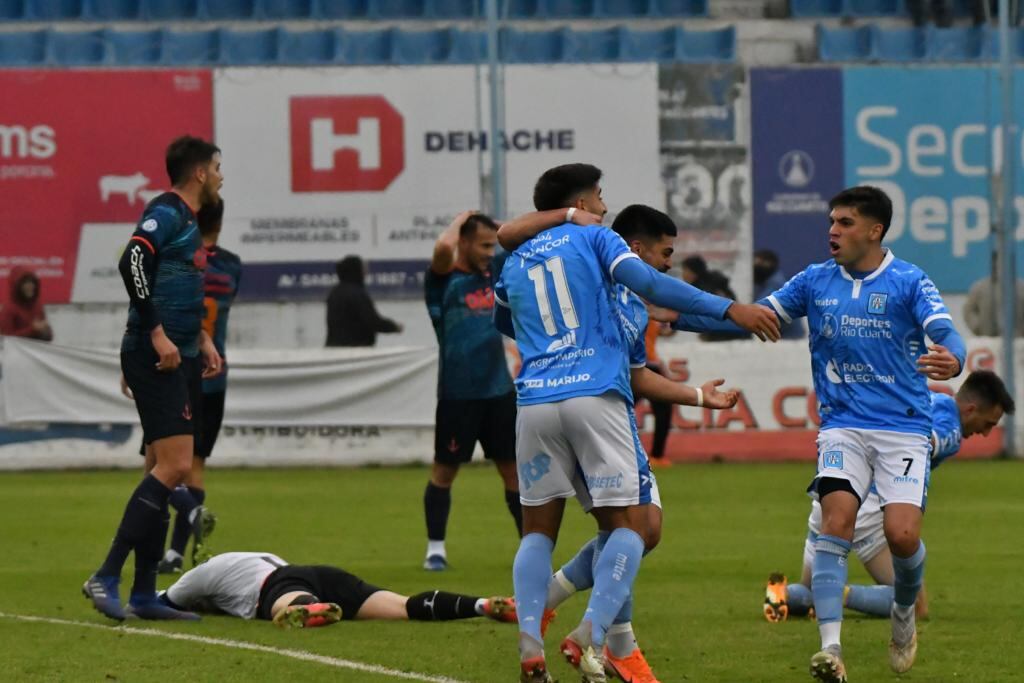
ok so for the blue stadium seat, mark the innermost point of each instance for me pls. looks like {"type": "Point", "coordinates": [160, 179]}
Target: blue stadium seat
{"type": "Point", "coordinates": [113, 10]}
{"type": "Point", "coordinates": [455, 9]}
{"type": "Point", "coordinates": [134, 48]}
{"type": "Point", "coordinates": [228, 10]}
{"type": "Point", "coordinates": [525, 9]}
{"type": "Point", "coordinates": [22, 48]}
{"type": "Point", "coordinates": [249, 47]}
{"type": "Point", "coordinates": [681, 8]}
{"type": "Point", "coordinates": [467, 47]}
{"type": "Point", "coordinates": [306, 47]}
{"type": "Point", "coordinates": [625, 8]}
{"type": "Point", "coordinates": [397, 9]}
{"type": "Point", "coordinates": [340, 9]}
{"type": "Point", "coordinates": [601, 45]}
{"type": "Point", "coordinates": [993, 44]}
{"type": "Point", "coordinates": [287, 9]}
{"type": "Point", "coordinates": [76, 48]}
{"type": "Point", "coordinates": [957, 44]}
{"type": "Point", "coordinates": [899, 44]}
{"type": "Point", "coordinates": [365, 47]}
{"type": "Point", "coordinates": [190, 47]}
{"type": "Point", "coordinates": [53, 10]}
{"type": "Point", "coordinates": [12, 9]}
{"type": "Point", "coordinates": [533, 47]}
{"type": "Point", "coordinates": [815, 8]}
{"type": "Point", "coordinates": [844, 44]}
{"type": "Point", "coordinates": [874, 8]}
{"type": "Point", "coordinates": [647, 46]}
{"type": "Point", "coordinates": [569, 9]}
{"type": "Point", "coordinates": [420, 47]}
{"type": "Point", "coordinates": [170, 10]}
{"type": "Point", "coordinates": [706, 46]}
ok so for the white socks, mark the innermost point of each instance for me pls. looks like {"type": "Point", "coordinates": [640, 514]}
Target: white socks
{"type": "Point", "coordinates": [436, 548]}
{"type": "Point", "coordinates": [830, 633]}
{"type": "Point", "coordinates": [620, 639]}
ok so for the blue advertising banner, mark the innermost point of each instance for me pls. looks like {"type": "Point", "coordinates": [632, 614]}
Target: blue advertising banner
{"type": "Point", "coordinates": [930, 138]}
{"type": "Point", "coordinates": [312, 280]}
{"type": "Point", "coordinates": [797, 160]}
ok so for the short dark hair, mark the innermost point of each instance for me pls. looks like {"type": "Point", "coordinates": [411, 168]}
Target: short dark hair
{"type": "Point", "coordinates": [210, 217]}
{"type": "Point", "coordinates": [869, 201]}
{"type": "Point", "coordinates": [697, 264]}
{"type": "Point", "coordinates": [767, 255]}
{"type": "Point", "coordinates": [350, 270]}
{"type": "Point", "coordinates": [639, 221]}
{"type": "Point", "coordinates": [468, 228]}
{"type": "Point", "coordinates": [986, 387]}
{"type": "Point", "coordinates": [184, 154]}
{"type": "Point", "coordinates": [558, 187]}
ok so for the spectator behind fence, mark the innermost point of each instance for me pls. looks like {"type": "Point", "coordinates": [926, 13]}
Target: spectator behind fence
{"type": "Point", "coordinates": [23, 315]}
{"type": "Point", "coordinates": [767, 279]}
{"type": "Point", "coordinates": [696, 273]}
{"type": "Point", "coordinates": [983, 310]}
{"type": "Point", "coordinates": [924, 11]}
{"type": "Point", "coordinates": [352, 319]}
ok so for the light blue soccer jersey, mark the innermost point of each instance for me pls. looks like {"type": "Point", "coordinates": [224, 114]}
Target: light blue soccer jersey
{"type": "Point", "coordinates": [945, 428]}
{"type": "Point", "coordinates": [633, 316]}
{"type": "Point", "coordinates": [566, 314]}
{"type": "Point", "coordinates": [866, 335]}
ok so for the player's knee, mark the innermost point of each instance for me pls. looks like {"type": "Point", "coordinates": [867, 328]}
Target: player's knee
{"type": "Point", "coordinates": [903, 539]}
{"type": "Point", "coordinates": [651, 539]}
{"type": "Point", "coordinates": [443, 476]}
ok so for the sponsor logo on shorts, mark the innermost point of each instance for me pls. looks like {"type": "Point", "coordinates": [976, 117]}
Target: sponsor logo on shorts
{"type": "Point", "coordinates": [832, 460]}
{"type": "Point", "coordinates": [612, 482]}
{"type": "Point", "coordinates": [906, 480]}
{"type": "Point", "coordinates": [533, 470]}
{"type": "Point", "coordinates": [876, 303]}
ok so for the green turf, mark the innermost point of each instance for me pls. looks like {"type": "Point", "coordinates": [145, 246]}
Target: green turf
{"type": "Point", "coordinates": [698, 612]}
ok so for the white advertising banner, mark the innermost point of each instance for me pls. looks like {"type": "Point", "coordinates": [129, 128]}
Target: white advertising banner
{"type": "Point", "coordinates": [375, 161]}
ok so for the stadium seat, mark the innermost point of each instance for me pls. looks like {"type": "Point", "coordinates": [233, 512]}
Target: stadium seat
{"type": "Point", "coordinates": [397, 9]}
{"type": "Point", "coordinates": [420, 47]}
{"type": "Point", "coordinates": [569, 9]}
{"type": "Point", "coordinates": [705, 46]}
{"type": "Point", "coordinates": [306, 47]}
{"type": "Point", "coordinates": [533, 47]}
{"type": "Point", "coordinates": [647, 46]}
{"type": "Point", "coordinates": [593, 46]}
{"type": "Point", "coordinates": [133, 48]}
{"type": "Point", "coordinates": [815, 8]}
{"type": "Point", "coordinates": [22, 48]}
{"type": "Point", "coordinates": [76, 48]}
{"type": "Point", "coordinates": [170, 10]}
{"type": "Point", "coordinates": [874, 8]}
{"type": "Point", "coordinates": [286, 9]}
{"type": "Point", "coordinates": [230, 10]}
{"type": "Point", "coordinates": [455, 9]}
{"type": "Point", "coordinates": [624, 8]}
{"type": "Point", "coordinates": [249, 47]}
{"type": "Point", "coordinates": [53, 10]}
{"type": "Point", "coordinates": [468, 47]}
{"type": "Point", "coordinates": [113, 10]}
{"type": "Point", "coordinates": [680, 8]}
{"type": "Point", "coordinates": [993, 44]}
{"type": "Point", "coordinates": [12, 9]}
{"type": "Point", "coordinates": [341, 9]}
{"type": "Point", "coordinates": [525, 9]}
{"type": "Point", "coordinates": [957, 44]}
{"type": "Point", "coordinates": [365, 47]}
{"type": "Point", "coordinates": [190, 47]}
{"type": "Point", "coordinates": [844, 44]}
{"type": "Point", "coordinates": [898, 44]}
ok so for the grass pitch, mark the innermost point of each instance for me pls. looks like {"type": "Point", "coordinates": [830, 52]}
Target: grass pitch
{"type": "Point", "coordinates": [698, 613]}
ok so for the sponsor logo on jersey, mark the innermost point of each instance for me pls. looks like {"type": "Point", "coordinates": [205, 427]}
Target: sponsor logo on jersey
{"type": "Point", "coordinates": [828, 326]}
{"type": "Point", "coordinates": [564, 358]}
{"type": "Point", "coordinates": [865, 328]}
{"type": "Point", "coordinates": [480, 300]}
{"type": "Point", "coordinates": [150, 225]}
{"type": "Point", "coordinates": [538, 246]}
{"type": "Point", "coordinates": [533, 383]}
{"type": "Point", "coordinates": [534, 469]}
{"type": "Point", "coordinates": [555, 382]}
{"type": "Point", "coordinates": [876, 303]}
{"type": "Point", "coordinates": [825, 303]}
{"type": "Point", "coordinates": [566, 342]}
{"type": "Point", "coordinates": [832, 460]}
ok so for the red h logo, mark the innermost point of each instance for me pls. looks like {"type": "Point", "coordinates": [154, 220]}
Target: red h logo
{"type": "Point", "coordinates": [345, 143]}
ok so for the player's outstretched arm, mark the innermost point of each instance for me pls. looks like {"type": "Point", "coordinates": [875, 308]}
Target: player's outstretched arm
{"type": "Point", "coordinates": [520, 230]}
{"type": "Point", "coordinates": [654, 387]}
{"type": "Point", "coordinates": [443, 260]}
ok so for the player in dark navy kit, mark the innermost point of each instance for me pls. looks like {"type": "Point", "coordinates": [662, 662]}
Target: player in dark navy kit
{"type": "Point", "coordinates": [220, 284]}
{"type": "Point", "coordinates": [164, 353]}
{"type": "Point", "coordinates": [476, 400]}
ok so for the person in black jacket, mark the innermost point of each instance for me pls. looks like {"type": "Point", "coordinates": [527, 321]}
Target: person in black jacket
{"type": "Point", "coordinates": [352, 319]}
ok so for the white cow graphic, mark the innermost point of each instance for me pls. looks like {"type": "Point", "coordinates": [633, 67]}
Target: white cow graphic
{"type": "Point", "coordinates": [128, 185]}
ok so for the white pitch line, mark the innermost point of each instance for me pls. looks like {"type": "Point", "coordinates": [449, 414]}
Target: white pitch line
{"type": "Point", "coordinates": [301, 655]}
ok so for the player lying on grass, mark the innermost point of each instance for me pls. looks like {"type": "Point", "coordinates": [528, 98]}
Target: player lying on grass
{"type": "Point", "coordinates": [264, 586]}
{"type": "Point", "coordinates": [977, 408]}
{"type": "Point", "coordinates": [650, 234]}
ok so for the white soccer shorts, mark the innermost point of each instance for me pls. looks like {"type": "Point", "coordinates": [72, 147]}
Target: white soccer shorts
{"type": "Point", "coordinates": [868, 534]}
{"type": "Point", "coordinates": [896, 462]}
{"type": "Point", "coordinates": [591, 439]}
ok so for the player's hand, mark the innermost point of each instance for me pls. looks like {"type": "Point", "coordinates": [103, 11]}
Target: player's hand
{"type": "Point", "coordinates": [757, 319]}
{"type": "Point", "coordinates": [125, 389]}
{"type": "Point", "coordinates": [713, 398]}
{"type": "Point", "coordinates": [580, 217]}
{"type": "Point", "coordinates": [939, 365]}
{"type": "Point", "coordinates": [662, 315]}
{"type": "Point", "coordinates": [213, 364]}
{"type": "Point", "coordinates": [460, 219]}
{"type": "Point", "coordinates": [170, 359]}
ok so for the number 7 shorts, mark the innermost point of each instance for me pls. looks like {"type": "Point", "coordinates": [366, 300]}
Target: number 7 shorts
{"type": "Point", "coordinates": [588, 439]}
{"type": "Point", "coordinates": [896, 462]}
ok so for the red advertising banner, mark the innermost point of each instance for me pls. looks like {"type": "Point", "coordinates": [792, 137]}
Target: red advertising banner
{"type": "Point", "coordinates": [85, 148]}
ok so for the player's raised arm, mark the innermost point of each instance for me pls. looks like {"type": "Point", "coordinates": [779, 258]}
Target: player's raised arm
{"type": "Point", "coordinates": [520, 230]}
{"type": "Point", "coordinates": [945, 358]}
{"type": "Point", "coordinates": [446, 247]}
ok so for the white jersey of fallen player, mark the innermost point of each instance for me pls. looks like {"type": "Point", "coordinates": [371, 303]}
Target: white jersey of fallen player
{"type": "Point", "coordinates": [228, 583]}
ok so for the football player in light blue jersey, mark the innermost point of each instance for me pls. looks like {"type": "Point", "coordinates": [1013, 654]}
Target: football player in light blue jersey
{"type": "Point", "coordinates": [651, 235]}
{"type": "Point", "coordinates": [976, 409]}
{"type": "Point", "coordinates": [575, 404]}
{"type": "Point", "coordinates": [868, 314]}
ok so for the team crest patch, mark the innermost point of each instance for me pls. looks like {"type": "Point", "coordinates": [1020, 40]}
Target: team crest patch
{"type": "Point", "coordinates": [876, 303]}
{"type": "Point", "coordinates": [832, 460]}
